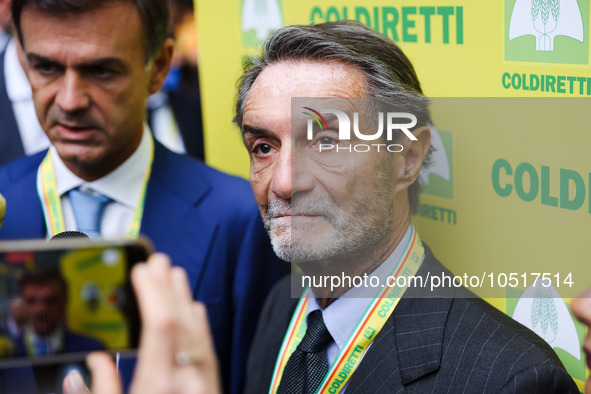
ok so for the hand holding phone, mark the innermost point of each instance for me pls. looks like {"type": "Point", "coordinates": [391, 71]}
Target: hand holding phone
{"type": "Point", "coordinates": [176, 352]}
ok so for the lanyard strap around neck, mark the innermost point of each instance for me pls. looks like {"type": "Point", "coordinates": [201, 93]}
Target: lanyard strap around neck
{"type": "Point", "coordinates": [372, 321]}
{"type": "Point", "coordinates": [52, 203]}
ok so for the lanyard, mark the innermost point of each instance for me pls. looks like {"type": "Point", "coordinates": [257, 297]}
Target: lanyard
{"type": "Point", "coordinates": [372, 321]}
{"type": "Point", "coordinates": [52, 203]}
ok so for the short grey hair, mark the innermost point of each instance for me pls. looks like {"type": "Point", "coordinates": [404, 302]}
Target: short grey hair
{"type": "Point", "coordinates": [390, 75]}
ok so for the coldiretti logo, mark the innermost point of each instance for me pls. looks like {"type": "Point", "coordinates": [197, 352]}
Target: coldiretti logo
{"type": "Point", "coordinates": [259, 18]}
{"type": "Point", "coordinates": [437, 179]}
{"type": "Point", "coordinates": [547, 31]}
{"type": "Point", "coordinates": [544, 311]}
{"type": "Point", "coordinates": [425, 24]}
{"type": "Point", "coordinates": [530, 183]}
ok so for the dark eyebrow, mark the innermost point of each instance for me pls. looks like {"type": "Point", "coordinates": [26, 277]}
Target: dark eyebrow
{"type": "Point", "coordinates": [330, 118]}
{"type": "Point", "coordinates": [105, 62]}
{"type": "Point", "coordinates": [33, 57]}
{"type": "Point", "coordinates": [102, 62]}
{"type": "Point", "coordinates": [246, 129]}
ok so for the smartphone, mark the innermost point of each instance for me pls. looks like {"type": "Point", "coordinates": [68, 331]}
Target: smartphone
{"type": "Point", "coordinates": [62, 299]}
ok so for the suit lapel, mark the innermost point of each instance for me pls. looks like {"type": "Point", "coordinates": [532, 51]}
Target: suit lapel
{"type": "Point", "coordinates": [379, 370]}
{"type": "Point", "coordinates": [409, 346]}
{"type": "Point", "coordinates": [171, 217]}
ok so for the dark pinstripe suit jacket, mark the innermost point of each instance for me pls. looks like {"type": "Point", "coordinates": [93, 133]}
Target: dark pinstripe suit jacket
{"type": "Point", "coordinates": [429, 345]}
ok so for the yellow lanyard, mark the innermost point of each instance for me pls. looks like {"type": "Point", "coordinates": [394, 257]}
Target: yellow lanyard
{"type": "Point", "coordinates": [52, 203]}
{"type": "Point", "coordinates": [372, 321]}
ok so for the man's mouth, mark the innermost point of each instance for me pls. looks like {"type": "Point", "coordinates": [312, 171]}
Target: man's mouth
{"type": "Point", "coordinates": [75, 132]}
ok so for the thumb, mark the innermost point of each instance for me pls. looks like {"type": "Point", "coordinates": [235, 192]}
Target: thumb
{"type": "Point", "coordinates": [74, 384]}
{"type": "Point", "coordinates": [104, 374]}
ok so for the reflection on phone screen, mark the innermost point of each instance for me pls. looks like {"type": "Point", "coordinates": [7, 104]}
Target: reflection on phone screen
{"type": "Point", "coordinates": [64, 302]}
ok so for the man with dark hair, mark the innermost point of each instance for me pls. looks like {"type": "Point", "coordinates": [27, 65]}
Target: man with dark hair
{"type": "Point", "coordinates": [45, 297]}
{"type": "Point", "coordinates": [92, 65]}
{"type": "Point", "coordinates": [338, 204]}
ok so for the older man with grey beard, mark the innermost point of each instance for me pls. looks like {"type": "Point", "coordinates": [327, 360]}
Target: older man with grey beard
{"type": "Point", "coordinates": [344, 212]}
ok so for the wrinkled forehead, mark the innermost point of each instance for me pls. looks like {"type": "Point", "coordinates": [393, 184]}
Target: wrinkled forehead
{"type": "Point", "coordinates": [111, 31]}
{"type": "Point", "coordinates": [283, 80]}
{"type": "Point", "coordinates": [107, 19]}
{"type": "Point", "coordinates": [269, 100]}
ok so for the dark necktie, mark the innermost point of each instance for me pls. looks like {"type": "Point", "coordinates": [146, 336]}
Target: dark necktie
{"type": "Point", "coordinates": [308, 364]}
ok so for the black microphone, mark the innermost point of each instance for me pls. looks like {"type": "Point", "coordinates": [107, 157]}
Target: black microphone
{"type": "Point", "coordinates": [69, 235]}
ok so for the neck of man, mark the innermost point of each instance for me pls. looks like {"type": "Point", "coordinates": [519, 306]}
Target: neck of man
{"type": "Point", "coordinates": [354, 264]}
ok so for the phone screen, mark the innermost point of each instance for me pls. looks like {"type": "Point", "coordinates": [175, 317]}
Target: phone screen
{"type": "Point", "coordinates": [64, 299]}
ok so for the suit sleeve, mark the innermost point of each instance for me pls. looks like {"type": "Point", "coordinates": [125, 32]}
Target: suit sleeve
{"type": "Point", "coordinates": [257, 270]}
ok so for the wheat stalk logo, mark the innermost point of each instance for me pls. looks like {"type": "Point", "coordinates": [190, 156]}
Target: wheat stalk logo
{"type": "Point", "coordinates": [541, 10]}
{"type": "Point", "coordinates": [546, 19]}
{"type": "Point", "coordinates": [544, 313]}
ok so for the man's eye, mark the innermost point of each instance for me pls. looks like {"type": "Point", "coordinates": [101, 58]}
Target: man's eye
{"type": "Point", "coordinates": [45, 68]}
{"type": "Point", "coordinates": [327, 141]}
{"type": "Point", "coordinates": [101, 72]}
{"type": "Point", "coordinates": [262, 149]}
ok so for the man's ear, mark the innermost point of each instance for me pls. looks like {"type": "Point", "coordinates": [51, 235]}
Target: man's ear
{"type": "Point", "coordinates": [161, 66]}
{"type": "Point", "coordinates": [412, 156]}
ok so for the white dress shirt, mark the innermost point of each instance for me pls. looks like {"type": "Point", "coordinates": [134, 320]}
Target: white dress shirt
{"type": "Point", "coordinates": [4, 38]}
{"type": "Point", "coordinates": [19, 92]}
{"type": "Point", "coordinates": [122, 185]}
{"type": "Point", "coordinates": [164, 125]}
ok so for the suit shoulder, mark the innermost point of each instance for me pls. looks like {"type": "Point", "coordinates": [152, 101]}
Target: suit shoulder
{"type": "Point", "coordinates": [18, 169]}
{"type": "Point", "coordinates": [280, 296]}
{"type": "Point", "coordinates": [194, 173]}
{"type": "Point", "coordinates": [511, 332]}
{"type": "Point", "coordinates": [483, 348]}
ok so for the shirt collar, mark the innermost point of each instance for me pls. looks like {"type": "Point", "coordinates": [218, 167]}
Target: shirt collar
{"type": "Point", "coordinates": [17, 84]}
{"type": "Point", "coordinates": [55, 340]}
{"type": "Point", "coordinates": [123, 185]}
{"type": "Point", "coordinates": [342, 316]}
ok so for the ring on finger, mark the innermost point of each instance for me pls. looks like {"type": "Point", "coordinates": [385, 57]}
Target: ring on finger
{"type": "Point", "coordinates": [183, 359]}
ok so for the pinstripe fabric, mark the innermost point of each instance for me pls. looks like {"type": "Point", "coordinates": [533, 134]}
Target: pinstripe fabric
{"type": "Point", "coordinates": [437, 345]}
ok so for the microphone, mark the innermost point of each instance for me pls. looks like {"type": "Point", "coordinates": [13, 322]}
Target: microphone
{"type": "Point", "coordinates": [2, 209]}
{"type": "Point", "coordinates": [69, 235]}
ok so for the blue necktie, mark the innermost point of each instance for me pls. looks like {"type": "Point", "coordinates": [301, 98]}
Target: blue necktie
{"type": "Point", "coordinates": [42, 347]}
{"type": "Point", "coordinates": [88, 210]}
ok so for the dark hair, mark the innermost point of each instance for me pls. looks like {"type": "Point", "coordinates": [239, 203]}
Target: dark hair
{"type": "Point", "coordinates": [389, 73]}
{"type": "Point", "coordinates": [42, 277]}
{"type": "Point", "coordinates": [154, 15]}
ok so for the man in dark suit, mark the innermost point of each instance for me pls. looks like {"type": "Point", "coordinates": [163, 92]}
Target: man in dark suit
{"type": "Point", "coordinates": [91, 66]}
{"type": "Point", "coordinates": [337, 203]}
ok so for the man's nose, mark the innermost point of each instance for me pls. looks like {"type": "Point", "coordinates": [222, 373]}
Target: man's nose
{"type": "Point", "coordinates": [291, 174]}
{"type": "Point", "coordinates": [73, 95]}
